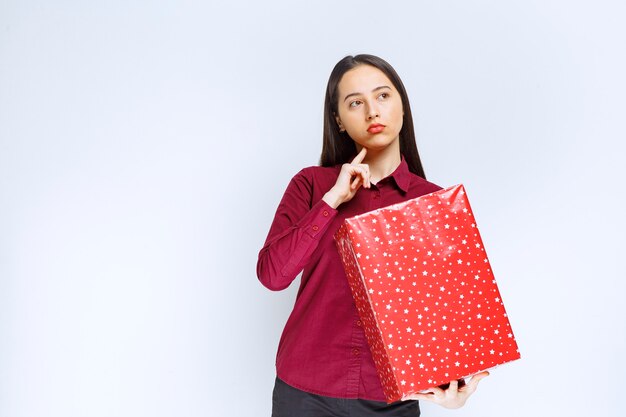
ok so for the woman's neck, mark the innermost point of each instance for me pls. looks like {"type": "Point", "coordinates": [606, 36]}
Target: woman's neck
{"type": "Point", "coordinates": [383, 162]}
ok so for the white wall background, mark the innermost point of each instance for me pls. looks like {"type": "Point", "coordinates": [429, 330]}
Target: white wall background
{"type": "Point", "coordinates": [144, 147]}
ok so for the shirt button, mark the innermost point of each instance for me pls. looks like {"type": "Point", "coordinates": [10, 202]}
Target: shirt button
{"type": "Point", "coordinates": [315, 227]}
{"type": "Point", "coordinates": [325, 213]}
{"type": "Point", "coordinates": [355, 352]}
{"type": "Point", "coordinates": [358, 322]}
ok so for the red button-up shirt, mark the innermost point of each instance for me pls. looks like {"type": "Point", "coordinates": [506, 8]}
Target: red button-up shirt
{"type": "Point", "coordinates": [323, 349]}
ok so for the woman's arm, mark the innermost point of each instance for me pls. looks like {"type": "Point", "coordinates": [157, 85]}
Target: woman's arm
{"type": "Point", "coordinates": [299, 223]}
{"type": "Point", "coordinates": [294, 234]}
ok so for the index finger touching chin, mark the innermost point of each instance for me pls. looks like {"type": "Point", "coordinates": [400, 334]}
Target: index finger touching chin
{"type": "Point", "coordinates": [360, 156]}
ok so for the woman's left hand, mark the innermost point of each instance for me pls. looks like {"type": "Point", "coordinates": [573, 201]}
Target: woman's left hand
{"type": "Point", "coordinates": [453, 397]}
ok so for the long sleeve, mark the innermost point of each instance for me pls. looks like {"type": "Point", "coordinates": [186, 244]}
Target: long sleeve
{"type": "Point", "coordinates": [294, 234]}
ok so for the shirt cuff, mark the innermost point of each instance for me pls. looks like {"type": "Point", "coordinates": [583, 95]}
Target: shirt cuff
{"type": "Point", "coordinates": [321, 216]}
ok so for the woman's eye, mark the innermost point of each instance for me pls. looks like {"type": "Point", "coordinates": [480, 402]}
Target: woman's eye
{"type": "Point", "coordinates": [383, 95]}
{"type": "Point", "coordinates": [355, 103]}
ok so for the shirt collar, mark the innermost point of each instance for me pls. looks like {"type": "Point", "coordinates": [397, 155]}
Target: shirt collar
{"type": "Point", "coordinates": [402, 175]}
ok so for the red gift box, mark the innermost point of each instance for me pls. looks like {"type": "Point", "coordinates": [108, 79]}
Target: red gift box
{"type": "Point", "coordinates": [425, 292]}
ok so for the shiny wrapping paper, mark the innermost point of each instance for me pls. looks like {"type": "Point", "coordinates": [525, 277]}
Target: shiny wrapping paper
{"type": "Point", "coordinates": [425, 292]}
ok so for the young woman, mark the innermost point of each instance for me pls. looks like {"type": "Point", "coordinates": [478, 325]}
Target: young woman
{"type": "Point", "coordinates": [369, 160]}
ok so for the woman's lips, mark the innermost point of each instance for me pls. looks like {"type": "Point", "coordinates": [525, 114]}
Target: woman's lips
{"type": "Point", "coordinates": [376, 128]}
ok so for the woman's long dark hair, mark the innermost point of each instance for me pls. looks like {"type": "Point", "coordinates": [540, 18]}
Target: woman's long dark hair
{"type": "Point", "coordinates": [338, 147]}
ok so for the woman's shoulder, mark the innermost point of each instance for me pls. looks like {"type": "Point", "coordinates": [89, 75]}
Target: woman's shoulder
{"type": "Point", "coordinates": [424, 182]}
{"type": "Point", "coordinates": [319, 174]}
{"type": "Point", "coordinates": [314, 181]}
{"type": "Point", "coordinates": [420, 186]}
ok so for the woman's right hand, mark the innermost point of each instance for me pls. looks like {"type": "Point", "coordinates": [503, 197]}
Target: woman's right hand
{"type": "Point", "coordinates": [351, 177]}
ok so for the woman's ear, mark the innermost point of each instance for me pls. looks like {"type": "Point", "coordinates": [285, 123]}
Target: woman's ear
{"type": "Point", "coordinates": [338, 120]}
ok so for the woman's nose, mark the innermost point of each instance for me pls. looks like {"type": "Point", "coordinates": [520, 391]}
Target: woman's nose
{"type": "Point", "coordinates": [372, 112]}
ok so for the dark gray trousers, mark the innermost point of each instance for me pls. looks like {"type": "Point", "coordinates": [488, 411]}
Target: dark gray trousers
{"type": "Point", "coordinates": [288, 401]}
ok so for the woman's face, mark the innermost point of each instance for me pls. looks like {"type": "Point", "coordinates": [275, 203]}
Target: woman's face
{"type": "Point", "coordinates": [369, 108]}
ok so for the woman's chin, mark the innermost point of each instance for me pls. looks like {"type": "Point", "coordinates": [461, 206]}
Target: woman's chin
{"type": "Point", "coordinates": [378, 144]}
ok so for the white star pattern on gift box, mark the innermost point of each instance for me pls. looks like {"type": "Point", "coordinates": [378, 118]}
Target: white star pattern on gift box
{"type": "Point", "coordinates": [431, 287]}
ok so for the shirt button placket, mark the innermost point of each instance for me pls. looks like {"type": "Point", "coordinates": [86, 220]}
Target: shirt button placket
{"type": "Point", "coordinates": [354, 369]}
{"type": "Point", "coordinates": [376, 200]}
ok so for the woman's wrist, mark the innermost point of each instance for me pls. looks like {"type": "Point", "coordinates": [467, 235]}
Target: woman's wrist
{"type": "Point", "coordinates": [332, 199]}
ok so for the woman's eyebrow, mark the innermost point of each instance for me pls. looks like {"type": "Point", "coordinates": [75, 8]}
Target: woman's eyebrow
{"type": "Point", "coordinates": [374, 90]}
